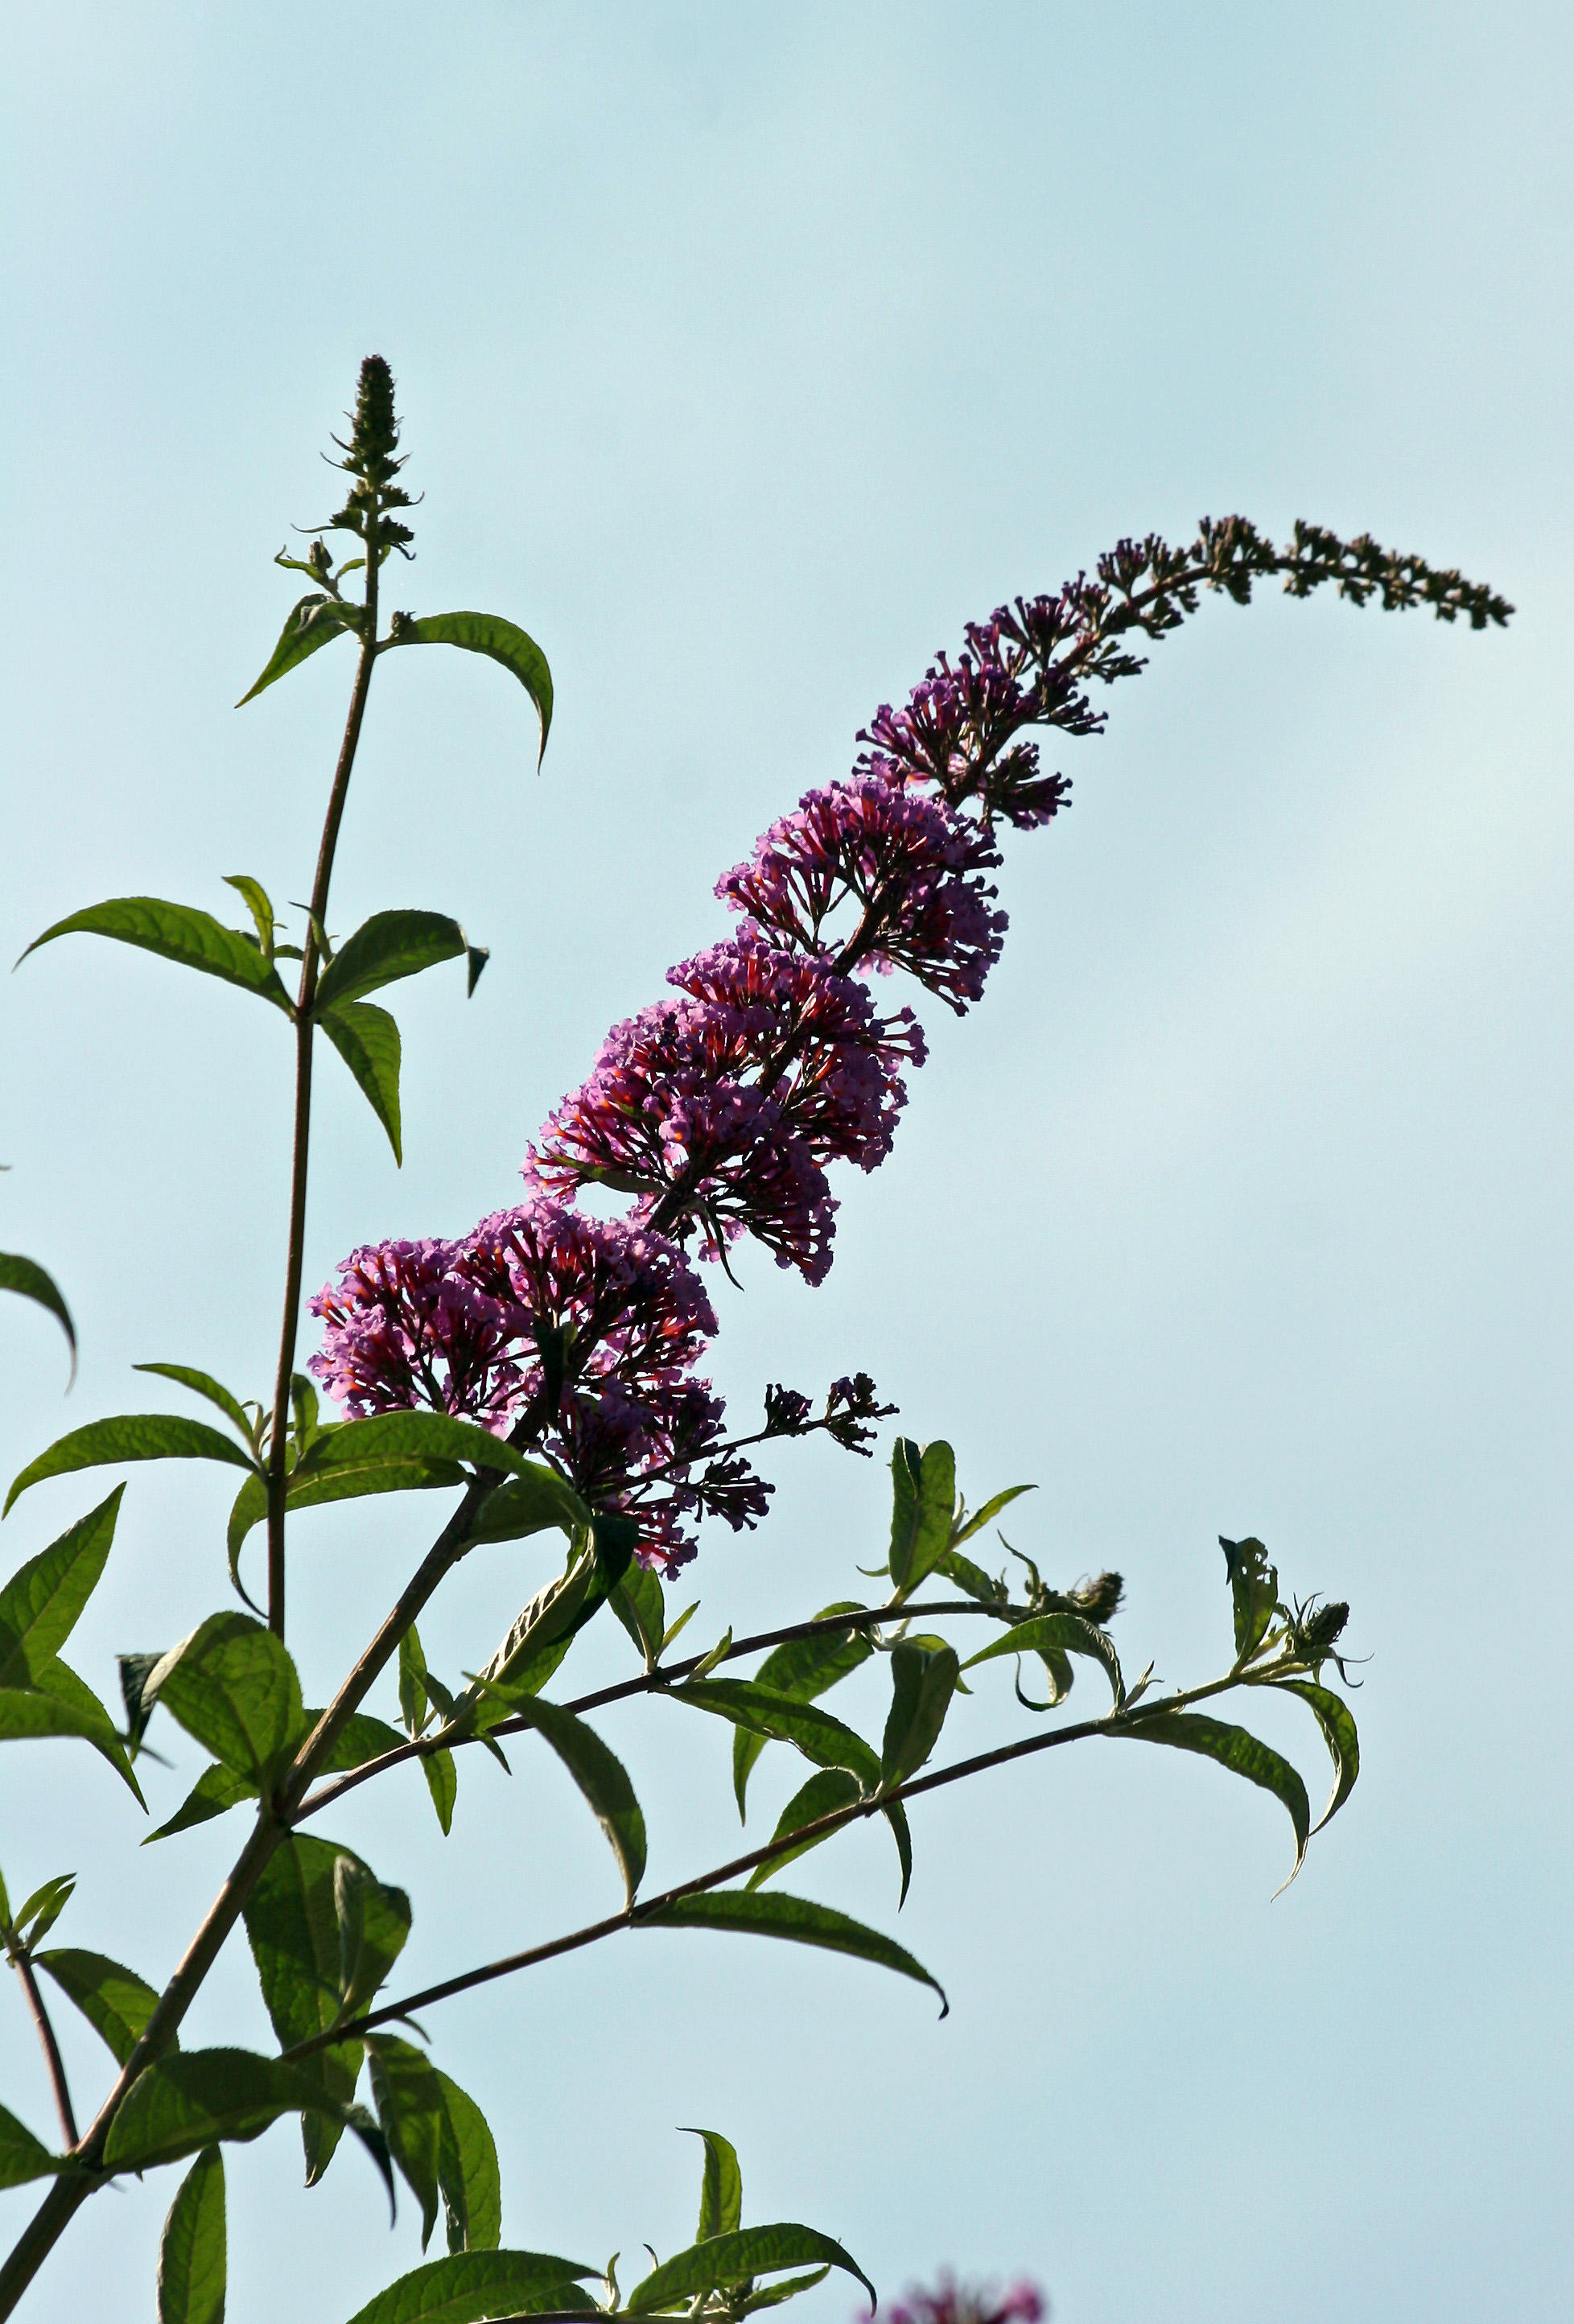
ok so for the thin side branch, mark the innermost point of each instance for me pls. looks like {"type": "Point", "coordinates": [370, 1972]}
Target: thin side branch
{"type": "Point", "coordinates": [52, 2048]}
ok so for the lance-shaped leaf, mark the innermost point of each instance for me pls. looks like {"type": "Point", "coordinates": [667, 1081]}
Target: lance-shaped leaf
{"type": "Point", "coordinates": [1056, 1634]}
{"type": "Point", "coordinates": [62, 1684]}
{"type": "Point", "coordinates": [972, 1579]}
{"type": "Point", "coordinates": [29, 1280]}
{"type": "Point", "coordinates": [44, 1908]}
{"type": "Point", "coordinates": [442, 1776]}
{"type": "Point", "coordinates": [260, 904]}
{"type": "Point", "coordinates": [601, 1778]}
{"type": "Point", "coordinates": [818, 1736]}
{"type": "Point", "coordinates": [965, 1530]}
{"type": "Point", "coordinates": [199, 2098]}
{"type": "Point", "coordinates": [132, 1436]}
{"type": "Point", "coordinates": [467, 2173]}
{"type": "Point", "coordinates": [219, 1789]}
{"type": "Point", "coordinates": [502, 642]}
{"type": "Point", "coordinates": [116, 2002]}
{"type": "Point", "coordinates": [1332, 1714]}
{"type": "Point", "coordinates": [391, 945]}
{"type": "Point", "coordinates": [721, 2187]}
{"type": "Point", "coordinates": [40, 1603]}
{"type": "Point", "coordinates": [923, 1498]}
{"type": "Point", "coordinates": [1235, 1748]}
{"type": "Point", "coordinates": [374, 1925]}
{"type": "Point", "coordinates": [472, 2284]}
{"type": "Point", "coordinates": [538, 1639]}
{"type": "Point", "coordinates": [1254, 1589]}
{"type": "Point", "coordinates": [367, 1039]}
{"type": "Point", "coordinates": [770, 1914]}
{"type": "Point", "coordinates": [723, 2261]}
{"type": "Point", "coordinates": [522, 1505]}
{"type": "Point", "coordinates": [191, 2249]}
{"type": "Point", "coordinates": [923, 1682]}
{"type": "Point", "coordinates": [204, 1384]}
{"type": "Point", "coordinates": [410, 2107]}
{"type": "Point", "coordinates": [292, 1924]}
{"type": "Point", "coordinates": [805, 1669]}
{"type": "Point", "coordinates": [22, 2156]}
{"type": "Point", "coordinates": [28, 1717]}
{"type": "Point", "coordinates": [181, 933]}
{"type": "Point", "coordinates": [640, 1606]}
{"type": "Point", "coordinates": [828, 1789]}
{"type": "Point", "coordinates": [216, 1790]}
{"type": "Point", "coordinates": [314, 620]}
{"type": "Point", "coordinates": [232, 1685]}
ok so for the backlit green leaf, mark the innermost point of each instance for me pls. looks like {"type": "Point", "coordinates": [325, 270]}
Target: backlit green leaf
{"type": "Point", "coordinates": [601, 1778]}
{"type": "Point", "coordinates": [40, 1603]}
{"type": "Point", "coordinates": [384, 949]}
{"type": "Point", "coordinates": [233, 1686]}
{"type": "Point", "coordinates": [923, 1682]}
{"type": "Point", "coordinates": [22, 2156]}
{"type": "Point", "coordinates": [29, 1280]}
{"type": "Point", "coordinates": [181, 933]}
{"type": "Point", "coordinates": [314, 621]}
{"type": "Point", "coordinates": [503, 641]}
{"type": "Point", "coordinates": [770, 1914]}
{"type": "Point", "coordinates": [191, 2250]}
{"type": "Point", "coordinates": [216, 1790]}
{"type": "Point", "coordinates": [467, 2173]}
{"type": "Point", "coordinates": [198, 2097]}
{"type": "Point", "coordinates": [640, 1606]}
{"type": "Point", "coordinates": [1055, 1634]}
{"type": "Point", "coordinates": [367, 1039]}
{"type": "Point", "coordinates": [374, 1925]}
{"type": "Point", "coordinates": [1338, 1732]}
{"type": "Point", "coordinates": [817, 1735]}
{"type": "Point", "coordinates": [116, 2002]}
{"type": "Point", "coordinates": [1232, 1747]}
{"type": "Point", "coordinates": [730, 2259]}
{"type": "Point", "coordinates": [828, 1789]}
{"type": "Point", "coordinates": [469, 2285]}
{"type": "Point", "coordinates": [805, 1669]}
{"type": "Point", "coordinates": [412, 2111]}
{"type": "Point", "coordinates": [720, 2187]}
{"type": "Point", "coordinates": [260, 904]}
{"type": "Point", "coordinates": [982, 1517]}
{"type": "Point", "coordinates": [292, 1925]}
{"type": "Point", "coordinates": [61, 1683]}
{"type": "Point", "coordinates": [923, 1498]}
{"type": "Point", "coordinates": [1254, 1589]}
{"type": "Point", "coordinates": [133, 1437]}
{"type": "Point", "coordinates": [203, 1384]}
{"type": "Point", "coordinates": [443, 1782]}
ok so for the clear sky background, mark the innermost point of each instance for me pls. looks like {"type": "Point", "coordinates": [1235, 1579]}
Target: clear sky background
{"type": "Point", "coordinates": [745, 353]}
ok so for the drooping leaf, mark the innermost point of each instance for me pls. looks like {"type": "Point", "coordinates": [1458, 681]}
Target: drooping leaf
{"type": "Point", "coordinates": [818, 1736]}
{"type": "Point", "coordinates": [216, 1790]}
{"type": "Point", "coordinates": [412, 2111]}
{"type": "Point", "coordinates": [367, 1039]}
{"type": "Point", "coordinates": [191, 2249]}
{"type": "Point", "coordinates": [29, 1280]}
{"type": "Point", "coordinates": [177, 932]}
{"type": "Point", "coordinates": [732, 2259]}
{"type": "Point", "coordinates": [1056, 1634]}
{"type": "Point", "coordinates": [467, 2173]}
{"type": "Point", "coordinates": [1254, 1589]}
{"type": "Point", "coordinates": [132, 1436]}
{"type": "Point", "coordinates": [721, 2187]}
{"type": "Point", "coordinates": [443, 1782]}
{"type": "Point", "coordinates": [412, 1681]}
{"type": "Point", "coordinates": [503, 641]}
{"type": "Point", "coordinates": [537, 1640]}
{"type": "Point", "coordinates": [601, 1778]}
{"type": "Point", "coordinates": [434, 1437]}
{"type": "Point", "coordinates": [374, 1924]}
{"type": "Point", "coordinates": [1332, 1714]}
{"type": "Point", "coordinates": [22, 2156]}
{"type": "Point", "coordinates": [982, 1517]}
{"type": "Point", "coordinates": [469, 2285]}
{"type": "Point", "coordinates": [1233, 1747]}
{"type": "Point", "coordinates": [640, 1606]}
{"type": "Point", "coordinates": [203, 1384]}
{"type": "Point", "coordinates": [771, 1913]}
{"type": "Point", "coordinates": [116, 2002]}
{"type": "Point", "coordinates": [40, 1603]}
{"type": "Point", "coordinates": [292, 1925]}
{"type": "Point", "coordinates": [522, 1505]}
{"type": "Point", "coordinates": [923, 1498]}
{"type": "Point", "coordinates": [972, 1578]}
{"type": "Point", "coordinates": [27, 1716]}
{"type": "Point", "coordinates": [314, 621]}
{"type": "Point", "coordinates": [233, 1686]}
{"type": "Point", "coordinates": [193, 2098]}
{"type": "Point", "coordinates": [805, 1669]}
{"type": "Point", "coordinates": [923, 1683]}
{"type": "Point", "coordinates": [60, 1683]}
{"type": "Point", "coordinates": [384, 949]}
{"type": "Point", "coordinates": [828, 1789]}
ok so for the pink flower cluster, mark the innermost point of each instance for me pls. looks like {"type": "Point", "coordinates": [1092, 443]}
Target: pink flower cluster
{"type": "Point", "coordinates": [1021, 2303]}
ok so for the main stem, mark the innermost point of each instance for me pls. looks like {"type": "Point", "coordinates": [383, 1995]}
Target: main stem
{"type": "Point", "coordinates": [311, 963]}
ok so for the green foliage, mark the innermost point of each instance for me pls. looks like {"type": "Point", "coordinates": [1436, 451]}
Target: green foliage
{"type": "Point", "coordinates": [22, 2156]}
{"type": "Point", "coordinates": [467, 2173]}
{"type": "Point", "coordinates": [600, 1777]}
{"type": "Point", "coordinates": [1054, 1636]}
{"type": "Point", "coordinates": [314, 622]}
{"type": "Point", "coordinates": [803, 1669]}
{"type": "Point", "coordinates": [410, 2109]}
{"type": "Point", "coordinates": [204, 1385]}
{"type": "Point", "coordinates": [826, 1791]}
{"type": "Point", "coordinates": [390, 946]}
{"type": "Point", "coordinates": [922, 1495]}
{"type": "Point", "coordinates": [181, 933]}
{"type": "Point", "coordinates": [1254, 1587]}
{"type": "Point", "coordinates": [191, 2250]}
{"type": "Point", "coordinates": [1332, 1714]}
{"type": "Point", "coordinates": [199, 2098]}
{"type": "Point", "coordinates": [487, 633]}
{"type": "Point", "coordinates": [367, 1039]}
{"type": "Point", "coordinates": [29, 1280]}
{"type": "Point", "coordinates": [723, 2262]}
{"type": "Point", "coordinates": [40, 1695]}
{"type": "Point", "coordinates": [470, 2285]}
{"type": "Point", "coordinates": [133, 1436]}
{"type": "Point", "coordinates": [116, 2002]}
{"type": "Point", "coordinates": [720, 2187]}
{"type": "Point", "coordinates": [233, 1688]}
{"type": "Point", "coordinates": [793, 1917]}
{"type": "Point", "coordinates": [1232, 1747]}
{"type": "Point", "coordinates": [923, 1683]}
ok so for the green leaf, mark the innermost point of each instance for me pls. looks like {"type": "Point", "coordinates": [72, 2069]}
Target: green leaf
{"type": "Point", "coordinates": [640, 1606]}
{"type": "Point", "coordinates": [116, 2002]}
{"type": "Point", "coordinates": [788, 2289]}
{"type": "Point", "coordinates": [522, 1505]}
{"type": "Point", "coordinates": [923, 1497]}
{"type": "Point", "coordinates": [443, 1782]}
{"type": "Point", "coordinates": [774, 1915]}
{"type": "Point", "coordinates": [191, 2249]}
{"type": "Point", "coordinates": [202, 1384]}
{"type": "Point", "coordinates": [467, 2173]}
{"type": "Point", "coordinates": [828, 1789]}
{"type": "Point", "coordinates": [472, 2284]}
{"type": "Point", "coordinates": [923, 1682]}
{"type": "Point", "coordinates": [314, 620]}
{"type": "Point", "coordinates": [488, 633]}
{"type": "Point", "coordinates": [817, 1735]}
{"type": "Point", "coordinates": [177, 932]}
{"type": "Point", "coordinates": [384, 949]}
{"type": "Point", "coordinates": [410, 2109]}
{"type": "Point", "coordinates": [374, 1924]}
{"type": "Point", "coordinates": [260, 904]}
{"type": "Point", "coordinates": [805, 1669]}
{"type": "Point", "coordinates": [412, 1681]}
{"type": "Point", "coordinates": [196, 2097]}
{"type": "Point", "coordinates": [603, 1779]}
{"type": "Point", "coordinates": [434, 1437]}
{"type": "Point", "coordinates": [40, 1603]}
{"type": "Point", "coordinates": [537, 1641]}
{"type": "Point", "coordinates": [22, 2156]}
{"type": "Point", "coordinates": [730, 2259]}
{"type": "Point", "coordinates": [1254, 1587]}
{"type": "Point", "coordinates": [27, 1716]}
{"type": "Point", "coordinates": [133, 1436]}
{"type": "Point", "coordinates": [292, 1925]}
{"type": "Point", "coordinates": [1233, 1747]}
{"type": "Point", "coordinates": [1332, 1714]}
{"type": "Point", "coordinates": [972, 1578]}
{"type": "Point", "coordinates": [1056, 1634]}
{"type": "Point", "coordinates": [980, 1517]}
{"type": "Point", "coordinates": [720, 2187]}
{"type": "Point", "coordinates": [232, 1685]}
{"type": "Point", "coordinates": [44, 1908]}
{"type": "Point", "coordinates": [55, 1679]}
{"type": "Point", "coordinates": [26, 1278]}
{"type": "Point", "coordinates": [216, 1790]}
{"type": "Point", "coordinates": [367, 1039]}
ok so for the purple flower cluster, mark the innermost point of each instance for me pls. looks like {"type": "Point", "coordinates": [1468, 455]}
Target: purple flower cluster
{"type": "Point", "coordinates": [1021, 2303]}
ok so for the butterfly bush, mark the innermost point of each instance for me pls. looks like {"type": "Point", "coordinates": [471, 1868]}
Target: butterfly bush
{"type": "Point", "coordinates": [721, 1109]}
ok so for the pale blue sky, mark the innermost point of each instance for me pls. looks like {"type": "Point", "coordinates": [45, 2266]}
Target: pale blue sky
{"type": "Point", "coordinates": [745, 353]}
